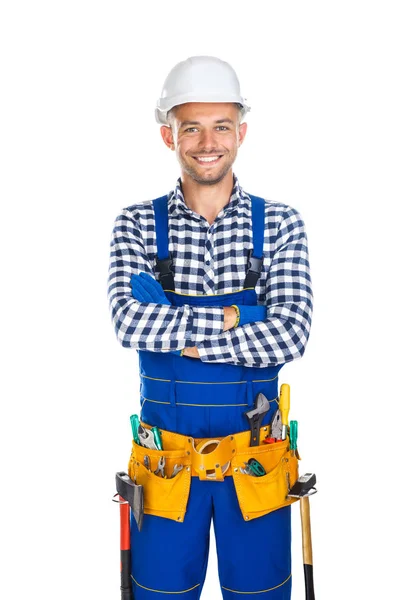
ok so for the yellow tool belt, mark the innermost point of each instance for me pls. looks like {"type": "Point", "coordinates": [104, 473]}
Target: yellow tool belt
{"type": "Point", "coordinates": [213, 459]}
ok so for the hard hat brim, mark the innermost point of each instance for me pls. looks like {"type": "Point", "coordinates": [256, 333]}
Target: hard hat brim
{"type": "Point", "coordinates": [164, 107]}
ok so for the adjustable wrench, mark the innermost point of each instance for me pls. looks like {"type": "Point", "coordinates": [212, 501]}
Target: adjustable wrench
{"type": "Point", "coordinates": [176, 470]}
{"type": "Point", "coordinates": [147, 438]}
{"type": "Point", "coordinates": [255, 417]}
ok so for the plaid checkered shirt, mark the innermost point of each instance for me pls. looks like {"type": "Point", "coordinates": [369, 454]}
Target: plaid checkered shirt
{"type": "Point", "coordinates": [212, 259]}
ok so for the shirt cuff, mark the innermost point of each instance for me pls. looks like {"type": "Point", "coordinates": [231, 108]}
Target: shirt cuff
{"type": "Point", "coordinates": [207, 321]}
{"type": "Point", "coordinates": [215, 350]}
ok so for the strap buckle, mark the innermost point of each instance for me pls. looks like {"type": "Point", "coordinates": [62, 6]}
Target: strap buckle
{"type": "Point", "coordinates": [254, 264]}
{"type": "Point", "coordinates": [164, 265]}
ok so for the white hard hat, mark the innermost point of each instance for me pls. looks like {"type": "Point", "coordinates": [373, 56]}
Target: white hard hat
{"type": "Point", "coordinates": [199, 79]}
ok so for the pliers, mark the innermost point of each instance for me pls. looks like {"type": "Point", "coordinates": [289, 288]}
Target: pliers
{"type": "Point", "coordinates": [160, 467]}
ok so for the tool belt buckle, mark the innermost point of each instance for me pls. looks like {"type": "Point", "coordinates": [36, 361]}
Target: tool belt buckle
{"type": "Point", "coordinates": [212, 458]}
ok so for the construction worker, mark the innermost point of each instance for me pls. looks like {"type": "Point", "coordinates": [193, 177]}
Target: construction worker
{"type": "Point", "coordinates": [212, 287]}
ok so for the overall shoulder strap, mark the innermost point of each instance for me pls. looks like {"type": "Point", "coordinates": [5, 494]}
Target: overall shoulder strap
{"type": "Point", "coordinates": [256, 257]}
{"type": "Point", "coordinates": [163, 259]}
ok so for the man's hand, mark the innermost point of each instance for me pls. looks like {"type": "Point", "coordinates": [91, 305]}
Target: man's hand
{"type": "Point", "coordinates": [146, 289]}
{"type": "Point", "coordinates": [248, 314]}
{"type": "Point", "coordinates": [230, 316]}
{"type": "Point", "coordinates": [191, 352]}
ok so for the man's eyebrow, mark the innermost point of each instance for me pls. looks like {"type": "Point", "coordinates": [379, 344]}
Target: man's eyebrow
{"type": "Point", "coordinates": [219, 121]}
{"type": "Point", "coordinates": [185, 123]}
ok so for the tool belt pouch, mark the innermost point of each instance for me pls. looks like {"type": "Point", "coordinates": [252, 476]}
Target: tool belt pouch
{"type": "Point", "coordinates": [164, 497]}
{"type": "Point", "coordinates": [259, 496]}
{"type": "Point", "coordinates": [211, 458]}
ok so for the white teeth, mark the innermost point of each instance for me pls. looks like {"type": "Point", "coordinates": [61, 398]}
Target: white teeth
{"type": "Point", "coordinates": [208, 159]}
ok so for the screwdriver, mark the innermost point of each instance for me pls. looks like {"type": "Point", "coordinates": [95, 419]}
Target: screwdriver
{"type": "Point", "coordinates": [284, 406]}
{"type": "Point", "coordinates": [157, 438]}
{"type": "Point", "coordinates": [293, 436]}
{"type": "Point", "coordinates": [135, 426]}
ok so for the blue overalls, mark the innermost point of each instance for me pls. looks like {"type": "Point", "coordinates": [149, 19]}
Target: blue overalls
{"type": "Point", "coordinates": [207, 400]}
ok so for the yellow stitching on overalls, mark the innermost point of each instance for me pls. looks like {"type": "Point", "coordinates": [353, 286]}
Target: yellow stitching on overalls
{"type": "Point", "coordinates": [211, 382]}
{"type": "Point", "coordinates": [190, 404]}
{"type": "Point", "coordinates": [186, 404]}
{"type": "Point", "coordinates": [154, 378]}
{"type": "Point", "coordinates": [198, 382]}
{"type": "Point", "coordinates": [156, 401]}
{"type": "Point", "coordinates": [161, 591]}
{"type": "Point", "coordinates": [260, 591]}
{"type": "Point", "coordinates": [207, 295]}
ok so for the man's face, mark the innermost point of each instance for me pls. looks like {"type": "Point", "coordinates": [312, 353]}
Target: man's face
{"type": "Point", "coordinates": [206, 137]}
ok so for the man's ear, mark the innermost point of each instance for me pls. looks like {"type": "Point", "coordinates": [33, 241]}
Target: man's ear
{"type": "Point", "coordinates": [166, 134]}
{"type": "Point", "coordinates": [242, 132]}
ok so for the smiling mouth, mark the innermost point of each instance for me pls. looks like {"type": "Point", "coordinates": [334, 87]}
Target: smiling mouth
{"type": "Point", "coordinates": [207, 160]}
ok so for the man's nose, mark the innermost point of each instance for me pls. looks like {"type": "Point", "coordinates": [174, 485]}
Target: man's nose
{"type": "Point", "coordinates": [207, 139]}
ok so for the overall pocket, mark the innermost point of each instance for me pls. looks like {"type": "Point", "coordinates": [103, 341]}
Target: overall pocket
{"type": "Point", "coordinates": [259, 496]}
{"type": "Point", "coordinates": [163, 496]}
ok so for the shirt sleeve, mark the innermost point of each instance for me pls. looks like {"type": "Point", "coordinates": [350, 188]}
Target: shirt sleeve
{"type": "Point", "coordinates": [283, 336]}
{"type": "Point", "coordinates": [145, 325]}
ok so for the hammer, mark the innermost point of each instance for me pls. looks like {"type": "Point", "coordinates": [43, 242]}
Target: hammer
{"type": "Point", "coordinates": [303, 489]}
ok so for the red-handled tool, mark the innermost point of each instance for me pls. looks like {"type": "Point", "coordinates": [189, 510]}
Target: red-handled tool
{"type": "Point", "coordinates": [130, 497]}
{"type": "Point", "coordinates": [125, 545]}
{"type": "Point", "coordinates": [276, 429]}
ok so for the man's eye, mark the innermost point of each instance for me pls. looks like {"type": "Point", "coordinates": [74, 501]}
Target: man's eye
{"type": "Point", "coordinates": [222, 128]}
{"type": "Point", "coordinates": [190, 129]}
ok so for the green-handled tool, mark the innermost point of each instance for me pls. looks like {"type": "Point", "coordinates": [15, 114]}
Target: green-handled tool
{"type": "Point", "coordinates": [256, 467]}
{"type": "Point", "coordinates": [149, 438]}
{"type": "Point", "coordinates": [135, 424]}
{"type": "Point", "coordinates": [157, 438]}
{"type": "Point", "coordinates": [293, 431]}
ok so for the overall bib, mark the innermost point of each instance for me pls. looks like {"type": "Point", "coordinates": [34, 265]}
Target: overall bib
{"type": "Point", "coordinates": [186, 396]}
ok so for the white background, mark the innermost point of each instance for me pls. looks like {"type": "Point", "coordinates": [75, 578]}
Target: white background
{"type": "Point", "coordinates": [78, 143]}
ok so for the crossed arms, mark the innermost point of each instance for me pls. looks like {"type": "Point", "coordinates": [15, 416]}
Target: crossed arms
{"type": "Point", "coordinates": [206, 333]}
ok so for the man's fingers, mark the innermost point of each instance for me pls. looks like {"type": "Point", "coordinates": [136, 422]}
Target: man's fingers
{"type": "Point", "coordinates": [139, 291]}
{"type": "Point", "coordinates": [154, 287]}
{"type": "Point", "coordinates": [150, 282]}
{"type": "Point", "coordinates": [145, 275]}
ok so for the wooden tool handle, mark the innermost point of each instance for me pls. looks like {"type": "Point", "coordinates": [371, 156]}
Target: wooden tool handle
{"type": "Point", "coordinates": [306, 530]}
{"type": "Point", "coordinates": [307, 547]}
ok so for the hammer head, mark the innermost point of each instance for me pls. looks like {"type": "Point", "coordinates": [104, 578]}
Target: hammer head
{"type": "Point", "coordinates": [304, 486]}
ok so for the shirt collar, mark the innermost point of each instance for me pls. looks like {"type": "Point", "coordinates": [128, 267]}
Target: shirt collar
{"type": "Point", "coordinates": [178, 204]}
